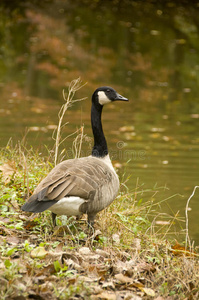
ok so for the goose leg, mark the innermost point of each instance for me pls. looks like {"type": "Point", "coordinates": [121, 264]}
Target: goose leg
{"type": "Point", "coordinates": [91, 220]}
{"type": "Point", "coordinates": [53, 218]}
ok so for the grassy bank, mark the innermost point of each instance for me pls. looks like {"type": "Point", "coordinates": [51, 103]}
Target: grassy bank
{"type": "Point", "coordinates": [128, 256]}
{"type": "Point", "coordinates": [131, 254]}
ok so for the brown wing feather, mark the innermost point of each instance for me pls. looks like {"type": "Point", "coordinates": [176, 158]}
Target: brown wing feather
{"type": "Point", "coordinates": [78, 177]}
{"type": "Point", "coordinates": [88, 178]}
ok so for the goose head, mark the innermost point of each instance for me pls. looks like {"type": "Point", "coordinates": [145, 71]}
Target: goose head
{"type": "Point", "coordinates": [106, 94]}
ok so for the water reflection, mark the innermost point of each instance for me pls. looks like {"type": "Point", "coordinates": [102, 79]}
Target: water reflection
{"type": "Point", "coordinates": [147, 51]}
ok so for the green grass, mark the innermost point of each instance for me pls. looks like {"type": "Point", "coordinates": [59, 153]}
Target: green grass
{"type": "Point", "coordinates": [129, 253]}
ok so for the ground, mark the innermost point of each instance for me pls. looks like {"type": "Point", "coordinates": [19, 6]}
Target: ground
{"type": "Point", "coordinates": [126, 256]}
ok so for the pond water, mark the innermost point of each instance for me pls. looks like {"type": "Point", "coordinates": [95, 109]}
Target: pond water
{"type": "Point", "coordinates": [147, 51]}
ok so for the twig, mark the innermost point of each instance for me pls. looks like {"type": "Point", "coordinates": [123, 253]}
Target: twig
{"type": "Point", "coordinates": [187, 218]}
{"type": "Point", "coordinates": [74, 86]}
{"type": "Point", "coordinates": [77, 143]}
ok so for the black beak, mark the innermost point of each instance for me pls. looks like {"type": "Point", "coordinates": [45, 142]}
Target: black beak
{"type": "Point", "coordinates": [120, 98]}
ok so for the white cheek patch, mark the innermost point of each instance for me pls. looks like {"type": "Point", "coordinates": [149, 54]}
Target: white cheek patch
{"type": "Point", "coordinates": [103, 99]}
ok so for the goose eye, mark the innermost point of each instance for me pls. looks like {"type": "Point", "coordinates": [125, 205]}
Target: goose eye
{"type": "Point", "coordinates": [108, 91]}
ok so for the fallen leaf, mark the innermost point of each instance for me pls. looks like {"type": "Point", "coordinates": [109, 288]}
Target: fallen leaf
{"type": "Point", "coordinates": [116, 238]}
{"type": "Point", "coordinates": [96, 235]}
{"type": "Point", "coordinates": [76, 258]}
{"type": "Point", "coordinates": [18, 298]}
{"type": "Point", "coordinates": [124, 279]}
{"type": "Point", "coordinates": [60, 231]}
{"type": "Point", "coordinates": [84, 251]}
{"type": "Point", "coordinates": [59, 247]}
{"type": "Point", "coordinates": [125, 268]}
{"type": "Point", "coordinates": [72, 265]}
{"type": "Point", "coordinates": [136, 244]}
{"type": "Point", "coordinates": [144, 266]}
{"type": "Point", "coordinates": [148, 291]}
{"type": "Point", "coordinates": [108, 285]}
{"type": "Point", "coordinates": [12, 240]}
{"type": "Point", "coordinates": [105, 296]}
{"type": "Point", "coordinates": [47, 270]}
{"type": "Point", "coordinates": [179, 250]}
{"type": "Point", "coordinates": [8, 169]}
{"type": "Point", "coordinates": [102, 253]}
{"type": "Point", "coordinates": [38, 252]}
{"type": "Point", "coordinates": [30, 224]}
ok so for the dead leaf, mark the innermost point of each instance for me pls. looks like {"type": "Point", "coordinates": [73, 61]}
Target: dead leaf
{"type": "Point", "coordinates": [46, 287]}
{"type": "Point", "coordinates": [59, 247]}
{"type": "Point", "coordinates": [74, 257]}
{"type": "Point", "coordinates": [87, 279]}
{"type": "Point", "coordinates": [130, 296]}
{"type": "Point", "coordinates": [179, 250]}
{"type": "Point", "coordinates": [84, 251]}
{"type": "Point", "coordinates": [145, 267]}
{"type": "Point", "coordinates": [148, 291]}
{"type": "Point", "coordinates": [136, 244]}
{"type": "Point", "coordinates": [18, 298]}
{"type": "Point", "coordinates": [108, 285]}
{"type": "Point", "coordinates": [126, 268]}
{"type": "Point", "coordinates": [102, 253]}
{"type": "Point", "coordinates": [116, 238]}
{"type": "Point", "coordinates": [96, 235]}
{"type": "Point", "coordinates": [61, 231]}
{"type": "Point", "coordinates": [105, 296]}
{"type": "Point", "coordinates": [123, 279]}
{"type": "Point", "coordinates": [30, 224]}
{"type": "Point", "coordinates": [38, 252]}
{"type": "Point", "coordinates": [13, 240]}
{"type": "Point", "coordinates": [8, 169]}
{"type": "Point", "coordinates": [72, 265]}
{"type": "Point", "coordinates": [5, 231]}
{"type": "Point", "coordinates": [47, 270]}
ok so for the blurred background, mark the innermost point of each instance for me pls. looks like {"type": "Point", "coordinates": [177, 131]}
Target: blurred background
{"type": "Point", "coordinates": [147, 50]}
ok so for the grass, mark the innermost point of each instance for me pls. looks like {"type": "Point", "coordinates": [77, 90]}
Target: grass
{"type": "Point", "coordinates": [138, 257]}
{"type": "Point", "coordinates": [132, 253]}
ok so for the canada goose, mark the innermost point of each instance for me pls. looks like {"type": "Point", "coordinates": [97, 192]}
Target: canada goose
{"type": "Point", "coordinates": [82, 185]}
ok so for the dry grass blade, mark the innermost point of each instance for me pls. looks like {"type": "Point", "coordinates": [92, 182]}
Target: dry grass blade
{"type": "Point", "coordinates": [187, 218]}
{"type": "Point", "coordinates": [74, 86]}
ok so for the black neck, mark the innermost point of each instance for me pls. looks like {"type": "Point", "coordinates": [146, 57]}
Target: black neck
{"type": "Point", "coordinates": [100, 148]}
